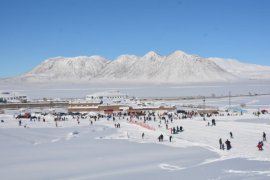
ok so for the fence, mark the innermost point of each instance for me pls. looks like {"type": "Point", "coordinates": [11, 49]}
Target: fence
{"type": "Point", "coordinates": [142, 124]}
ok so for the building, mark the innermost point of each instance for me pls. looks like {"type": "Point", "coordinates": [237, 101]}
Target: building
{"type": "Point", "coordinates": [103, 109]}
{"type": "Point", "coordinates": [12, 97]}
{"type": "Point", "coordinates": [146, 110]}
{"type": "Point", "coordinates": [107, 97]}
{"type": "Point", "coordinates": [114, 102]}
{"type": "Point", "coordinates": [116, 108]}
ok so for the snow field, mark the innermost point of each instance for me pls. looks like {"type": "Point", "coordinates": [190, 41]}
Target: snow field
{"type": "Point", "coordinates": [101, 151]}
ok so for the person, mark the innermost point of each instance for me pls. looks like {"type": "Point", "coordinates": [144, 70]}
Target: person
{"type": "Point", "coordinates": [20, 122]}
{"type": "Point", "coordinates": [181, 129]}
{"type": "Point", "coordinates": [222, 146]}
{"type": "Point", "coordinates": [231, 134]}
{"type": "Point", "coordinates": [264, 136]}
{"type": "Point", "coordinates": [160, 138]}
{"type": "Point", "coordinates": [220, 143]}
{"type": "Point", "coordinates": [142, 135]}
{"type": "Point", "coordinates": [213, 122]}
{"type": "Point", "coordinates": [173, 129]}
{"type": "Point", "coordinates": [228, 144]}
{"type": "Point", "coordinates": [260, 145]}
{"type": "Point", "coordinates": [170, 138]}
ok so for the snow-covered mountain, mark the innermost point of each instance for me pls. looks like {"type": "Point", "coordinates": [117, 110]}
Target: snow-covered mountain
{"type": "Point", "coordinates": [66, 69]}
{"type": "Point", "coordinates": [175, 68]}
{"type": "Point", "coordinates": [250, 71]}
{"type": "Point", "coordinates": [178, 67]}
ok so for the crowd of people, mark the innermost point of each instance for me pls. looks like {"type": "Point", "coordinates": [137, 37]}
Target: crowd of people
{"type": "Point", "coordinates": [166, 119]}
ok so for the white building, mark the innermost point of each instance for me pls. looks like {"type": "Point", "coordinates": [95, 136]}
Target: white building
{"type": "Point", "coordinates": [12, 97]}
{"type": "Point", "coordinates": [107, 97]}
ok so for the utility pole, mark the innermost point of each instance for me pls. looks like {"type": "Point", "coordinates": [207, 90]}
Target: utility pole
{"type": "Point", "coordinates": [204, 108]}
{"type": "Point", "coordinates": [229, 100]}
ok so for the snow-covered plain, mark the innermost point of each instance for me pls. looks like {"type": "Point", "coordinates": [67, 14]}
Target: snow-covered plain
{"type": "Point", "coordinates": [73, 90]}
{"type": "Point", "coordinates": [101, 151]}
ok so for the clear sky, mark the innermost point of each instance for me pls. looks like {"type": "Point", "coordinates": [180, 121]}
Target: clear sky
{"type": "Point", "coordinates": [34, 30]}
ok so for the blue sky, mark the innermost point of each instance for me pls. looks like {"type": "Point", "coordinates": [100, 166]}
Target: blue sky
{"type": "Point", "coordinates": [34, 30]}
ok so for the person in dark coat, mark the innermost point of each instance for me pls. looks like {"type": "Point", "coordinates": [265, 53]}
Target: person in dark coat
{"type": "Point", "coordinates": [213, 122]}
{"type": "Point", "coordinates": [228, 144]}
{"type": "Point", "coordinates": [264, 136]}
{"type": "Point", "coordinates": [231, 134]}
{"type": "Point", "coordinates": [161, 137]}
{"type": "Point", "coordinates": [220, 143]}
{"type": "Point", "coordinates": [181, 129]}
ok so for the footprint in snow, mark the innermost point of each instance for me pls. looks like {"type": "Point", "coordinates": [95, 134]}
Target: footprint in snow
{"type": "Point", "coordinates": [55, 140]}
{"type": "Point", "coordinates": [170, 167]}
{"type": "Point", "coordinates": [71, 135]}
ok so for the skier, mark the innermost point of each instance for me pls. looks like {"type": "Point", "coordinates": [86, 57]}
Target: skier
{"type": "Point", "coordinates": [264, 136]}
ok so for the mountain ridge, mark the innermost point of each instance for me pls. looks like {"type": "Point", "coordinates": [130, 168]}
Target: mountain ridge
{"type": "Point", "coordinates": [177, 67]}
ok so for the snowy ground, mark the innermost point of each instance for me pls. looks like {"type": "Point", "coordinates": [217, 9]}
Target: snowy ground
{"type": "Point", "coordinates": [101, 151]}
{"type": "Point", "coordinates": [70, 90]}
